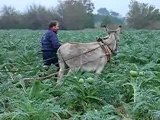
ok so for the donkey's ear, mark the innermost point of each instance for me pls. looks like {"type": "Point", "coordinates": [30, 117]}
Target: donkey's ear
{"type": "Point", "coordinates": [103, 26]}
{"type": "Point", "coordinates": [119, 28]}
{"type": "Point", "coordinates": [107, 30]}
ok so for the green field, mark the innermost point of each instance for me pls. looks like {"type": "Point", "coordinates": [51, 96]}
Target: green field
{"type": "Point", "coordinates": [116, 95]}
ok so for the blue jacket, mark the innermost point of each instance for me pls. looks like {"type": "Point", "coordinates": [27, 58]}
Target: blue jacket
{"type": "Point", "coordinates": [49, 41]}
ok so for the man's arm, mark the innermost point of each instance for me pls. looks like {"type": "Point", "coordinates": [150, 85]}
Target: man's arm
{"type": "Point", "coordinates": [54, 40]}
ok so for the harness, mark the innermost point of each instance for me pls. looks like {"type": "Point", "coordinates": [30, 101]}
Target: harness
{"type": "Point", "coordinates": [107, 50]}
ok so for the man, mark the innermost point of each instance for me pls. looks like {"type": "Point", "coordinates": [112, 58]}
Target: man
{"type": "Point", "coordinates": [50, 45]}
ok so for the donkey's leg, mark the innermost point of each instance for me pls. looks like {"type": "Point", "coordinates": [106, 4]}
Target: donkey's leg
{"type": "Point", "coordinates": [61, 71]}
{"type": "Point", "coordinates": [72, 71]}
{"type": "Point", "coordinates": [101, 65]}
{"type": "Point", "coordinates": [99, 70]}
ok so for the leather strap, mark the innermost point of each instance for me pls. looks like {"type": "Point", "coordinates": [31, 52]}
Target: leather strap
{"type": "Point", "coordinates": [106, 50]}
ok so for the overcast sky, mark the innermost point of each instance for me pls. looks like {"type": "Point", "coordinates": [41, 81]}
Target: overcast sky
{"type": "Point", "coordinates": [120, 6]}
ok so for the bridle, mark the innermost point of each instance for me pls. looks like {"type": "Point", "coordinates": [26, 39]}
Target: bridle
{"type": "Point", "coordinates": [107, 50]}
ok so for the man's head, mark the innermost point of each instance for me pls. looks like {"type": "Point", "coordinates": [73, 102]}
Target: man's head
{"type": "Point", "coordinates": [54, 25]}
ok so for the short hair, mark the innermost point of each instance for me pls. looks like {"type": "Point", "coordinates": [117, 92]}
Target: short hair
{"type": "Point", "coordinates": [53, 23]}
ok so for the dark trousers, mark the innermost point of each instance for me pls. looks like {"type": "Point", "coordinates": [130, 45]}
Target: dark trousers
{"type": "Point", "coordinates": [50, 57]}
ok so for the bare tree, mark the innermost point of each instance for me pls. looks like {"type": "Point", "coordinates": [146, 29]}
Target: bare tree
{"type": "Point", "coordinates": [74, 14]}
{"type": "Point", "coordinates": [10, 18]}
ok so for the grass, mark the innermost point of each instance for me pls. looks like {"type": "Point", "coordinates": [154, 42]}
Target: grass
{"type": "Point", "coordinates": [115, 95]}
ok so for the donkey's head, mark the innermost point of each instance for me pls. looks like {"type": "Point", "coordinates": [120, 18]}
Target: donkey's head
{"type": "Point", "coordinates": [113, 38]}
{"type": "Point", "coordinates": [115, 32]}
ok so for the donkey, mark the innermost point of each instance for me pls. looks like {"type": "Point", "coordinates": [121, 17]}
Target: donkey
{"type": "Point", "coordinates": [88, 56]}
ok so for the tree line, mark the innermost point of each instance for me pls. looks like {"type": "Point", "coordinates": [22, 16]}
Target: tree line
{"type": "Point", "coordinates": [78, 14]}
{"type": "Point", "coordinates": [72, 14]}
{"type": "Point", "coordinates": [143, 16]}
